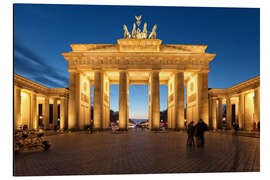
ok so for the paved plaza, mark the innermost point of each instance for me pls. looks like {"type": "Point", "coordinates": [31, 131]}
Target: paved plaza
{"type": "Point", "coordinates": [139, 153]}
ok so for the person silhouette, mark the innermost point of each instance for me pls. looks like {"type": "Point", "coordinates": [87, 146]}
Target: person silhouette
{"type": "Point", "coordinates": [200, 128]}
{"type": "Point", "coordinates": [190, 132]}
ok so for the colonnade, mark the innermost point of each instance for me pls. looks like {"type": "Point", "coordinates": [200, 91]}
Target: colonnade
{"type": "Point", "coordinates": [101, 105]}
{"type": "Point", "coordinates": [26, 108]}
{"type": "Point", "coordinates": [246, 112]}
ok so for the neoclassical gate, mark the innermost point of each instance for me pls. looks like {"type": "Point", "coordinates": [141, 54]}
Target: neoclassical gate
{"type": "Point", "coordinates": [137, 59]}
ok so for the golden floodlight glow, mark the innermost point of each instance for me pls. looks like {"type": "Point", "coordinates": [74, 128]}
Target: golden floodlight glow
{"type": "Point", "coordinates": [23, 94]}
{"type": "Point", "coordinates": [251, 95]}
{"type": "Point", "coordinates": [40, 98]}
{"type": "Point", "coordinates": [234, 99]}
{"type": "Point", "coordinates": [192, 85]}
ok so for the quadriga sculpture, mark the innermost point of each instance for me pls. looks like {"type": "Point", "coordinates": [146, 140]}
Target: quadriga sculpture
{"type": "Point", "coordinates": [144, 33]}
{"type": "Point", "coordinates": [153, 34]}
{"type": "Point", "coordinates": [126, 33]}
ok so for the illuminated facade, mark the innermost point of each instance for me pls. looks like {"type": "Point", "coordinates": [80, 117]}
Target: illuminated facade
{"type": "Point", "coordinates": [242, 105]}
{"type": "Point", "coordinates": [135, 59]}
{"type": "Point", "coordinates": [138, 61]}
{"type": "Point", "coordinates": [28, 96]}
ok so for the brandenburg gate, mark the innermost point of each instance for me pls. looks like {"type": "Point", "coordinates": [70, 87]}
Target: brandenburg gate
{"type": "Point", "coordinates": [137, 59]}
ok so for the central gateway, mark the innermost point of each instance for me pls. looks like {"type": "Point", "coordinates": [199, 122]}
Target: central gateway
{"type": "Point", "coordinates": [137, 60]}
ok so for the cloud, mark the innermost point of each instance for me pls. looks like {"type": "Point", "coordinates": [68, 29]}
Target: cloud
{"type": "Point", "coordinates": [30, 65]}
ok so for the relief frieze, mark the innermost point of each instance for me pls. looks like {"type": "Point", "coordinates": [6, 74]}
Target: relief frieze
{"type": "Point", "coordinates": [134, 60]}
{"type": "Point", "coordinates": [84, 98]}
{"type": "Point", "coordinates": [191, 98]}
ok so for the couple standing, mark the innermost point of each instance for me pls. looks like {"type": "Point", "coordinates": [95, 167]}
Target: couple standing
{"type": "Point", "coordinates": [197, 131]}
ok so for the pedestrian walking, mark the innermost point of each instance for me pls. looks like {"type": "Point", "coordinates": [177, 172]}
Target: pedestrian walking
{"type": "Point", "coordinates": [199, 130]}
{"type": "Point", "coordinates": [91, 127]}
{"type": "Point", "coordinates": [190, 132]}
{"type": "Point", "coordinates": [235, 127]}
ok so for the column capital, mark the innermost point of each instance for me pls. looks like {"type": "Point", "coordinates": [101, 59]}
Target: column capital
{"type": "Point", "coordinates": [33, 93]}
{"type": "Point", "coordinates": [17, 87]}
{"type": "Point", "coordinates": [257, 88]}
{"type": "Point", "coordinates": [155, 70]}
{"type": "Point", "coordinates": [72, 70]}
{"type": "Point", "coordinates": [220, 98]}
{"type": "Point", "coordinates": [123, 70]}
{"type": "Point", "coordinates": [240, 94]}
{"type": "Point", "coordinates": [97, 70]}
{"type": "Point", "coordinates": [54, 98]}
{"type": "Point", "coordinates": [178, 71]}
{"type": "Point", "coordinates": [62, 98]}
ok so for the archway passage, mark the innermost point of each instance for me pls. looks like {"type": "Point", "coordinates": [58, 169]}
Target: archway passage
{"type": "Point", "coordinates": [138, 105]}
{"type": "Point", "coordinates": [114, 105]}
{"type": "Point", "coordinates": [163, 106]}
{"type": "Point", "coordinates": [140, 61]}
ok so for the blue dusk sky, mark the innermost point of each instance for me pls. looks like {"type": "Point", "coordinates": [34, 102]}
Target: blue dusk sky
{"type": "Point", "coordinates": [43, 32]}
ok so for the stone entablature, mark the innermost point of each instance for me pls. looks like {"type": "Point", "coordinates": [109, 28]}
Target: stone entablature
{"type": "Point", "coordinates": [28, 95]}
{"type": "Point", "coordinates": [242, 105]}
{"type": "Point", "coordinates": [139, 61]}
{"type": "Point", "coordinates": [237, 89]}
{"type": "Point", "coordinates": [138, 54]}
{"type": "Point", "coordinates": [24, 83]}
{"type": "Point", "coordinates": [27, 84]}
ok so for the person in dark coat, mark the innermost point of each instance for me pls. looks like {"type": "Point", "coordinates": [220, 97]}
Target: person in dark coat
{"type": "Point", "coordinates": [199, 130]}
{"type": "Point", "coordinates": [91, 127]}
{"type": "Point", "coordinates": [190, 132]}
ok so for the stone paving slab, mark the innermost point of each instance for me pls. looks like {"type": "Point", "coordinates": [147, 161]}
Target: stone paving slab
{"type": "Point", "coordinates": [139, 153]}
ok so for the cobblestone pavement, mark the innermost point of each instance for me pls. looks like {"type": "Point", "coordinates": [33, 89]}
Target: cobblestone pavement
{"type": "Point", "coordinates": [139, 152]}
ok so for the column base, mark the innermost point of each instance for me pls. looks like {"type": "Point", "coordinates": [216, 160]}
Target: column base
{"type": "Point", "coordinates": [179, 129]}
{"type": "Point", "coordinates": [97, 129]}
{"type": "Point", "coordinates": [74, 129]}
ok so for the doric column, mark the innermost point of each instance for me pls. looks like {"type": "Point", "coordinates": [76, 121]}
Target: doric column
{"type": "Point", "coordinates": [155, 100]}
{"type": "Point", "coordinates": [150, 104]}
{"type": "Point", "coordinates": [17, 106]}
{"type": "Point", "coordinates": [257, 105]}
{"type": "Point", "coordinates": [228, 112]}
{"type": "Point", "coordinates": [34, 115]}
{"type": "Point", "coordinates": [236, 112]}
{"type": "Point", "coordinates": [123, 100]}
{"type": "Point", "coordinates": [202, 101]}
{"type": "Point", "coordinates": [214, 113]}
{"type": "Point", "coordinates": [89, 107]}
{"type": "Point", "coordinates": [127, 98]}
{"type": "Point", "coordinates": [74, 100]}
{"type": "Point", "coordinates": [106, 102]}
{"type": "Point", "coordinates": [79, 125]}
{"type": "Point", "coordinates": [55, 112]}
{"type": "Point", "coordinates": [63, 118]}
{"type": "Point", "coordinates": [98, 96]}
{"type": "Point", "coordinates": [220, 112]}
{"type": "Point", "coordinates": [179, 100]}
{"type": "Point", "coordinates": [241, 106]}
{"type": "Point", "coordinates": [46, 113]}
